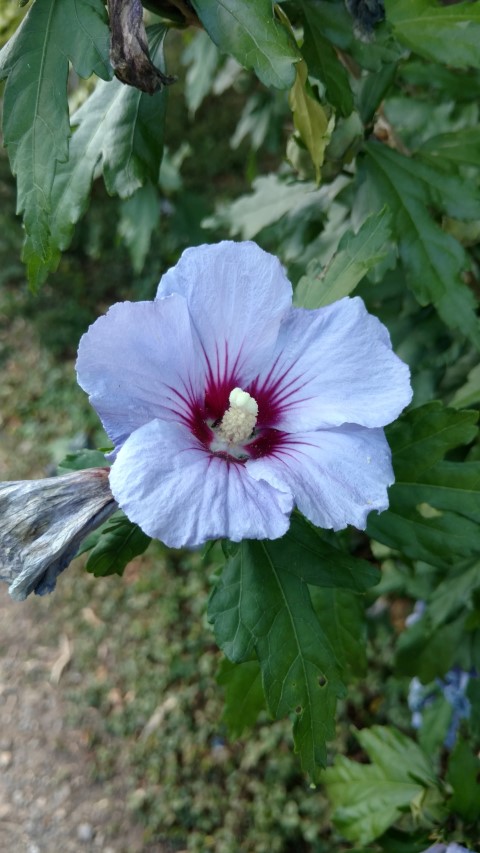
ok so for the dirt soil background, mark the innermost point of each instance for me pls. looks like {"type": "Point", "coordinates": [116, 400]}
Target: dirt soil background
{"type": "Point", "coordinates": [48, 802]}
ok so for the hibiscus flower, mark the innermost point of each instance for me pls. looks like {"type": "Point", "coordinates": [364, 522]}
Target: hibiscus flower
{"type": "Point", "coordinates": [227, 406]}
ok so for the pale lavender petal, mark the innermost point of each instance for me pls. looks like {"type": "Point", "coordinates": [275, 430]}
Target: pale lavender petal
{"type": "Point", "coordinates": [177, 492]}
{"type": "Point", "coordinates": [336, 476]}
{"type": "Point", "coordinates": [333, 366]}
{"type": "Point", "coordinates": [451, 848]}
{"type": "Point", "coordinates": [237, 295]}
{"type": "Point", "coordinates": [138, 362]}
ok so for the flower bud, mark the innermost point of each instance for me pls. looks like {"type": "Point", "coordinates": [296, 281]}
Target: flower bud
{"type": "Point", "coordinates": [44, 523]}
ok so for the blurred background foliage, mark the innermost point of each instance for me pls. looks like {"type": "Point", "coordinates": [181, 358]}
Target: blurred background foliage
{"type": "Point", "coordinates": [236, 164]}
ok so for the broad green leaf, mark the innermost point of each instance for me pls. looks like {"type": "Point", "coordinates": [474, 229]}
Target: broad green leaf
{"type": "Point", "coordinates": [434, 505]}
{"type": "Point", "coordinates": [356, 254]}
{"type": "Point", "coordinates": [120, 542]}
{"type": "Point", "coordinates": [464, 777]}
{"type": "Point", "coordinates": [341, 614]}
{"type": "Point", "coordinates": [138, 220]}
{"type": "Point", "coordinates": [452, 595]}
{"type": "Point", "coordinates": [369, 798]}
{"type": "Point", "coordinates": [258, 607]}
{"type": "Point", "coordinates": [35, 123]}
{"type": "Point", "coordinates": [459, 146]}
{"type": "Point", "coordinates": [336, 24]}
{"type": "Point", "coordinates": [397, 841]}
{"type": "Point", "coordinates": [449, 34]}
{"type": "Point", "coordinates": [310, 119]}
{"type": "Point", "coordinates": [433, 260]}
{"type": "Point", "coordinates": [473, 695]}
{"type": "Point", "coordinates": [324, 64]}
{"type": "Point", "coordinates": [271, 199]}
{"type": "Point", "coordinates": [429, 653]}
{"type": "Point", "coordinates": [244, 698]}
{"type": "Point", "coordinates": [202, 57]}
{"type": "Point", "coordinates": [248, 30]}
{"type": "Point", "coordinates": [304, 553]}
{"type": "Point", "coordinates": [436, 719]}
{"type": "Point", "coordinates": [468, 394]}
{"type": "Point", "coordinates": [372, 89]}
{"type": "Point", "coordinates": [423, 436]}
{"type": "Point", "coordinates": [83, 459]}
{"type": "Point", "coordinates": [119, 128]}
{"type": "Point", "coordinates": [94, 537]}
{"type": "Point", "coordinates": [440, 639]}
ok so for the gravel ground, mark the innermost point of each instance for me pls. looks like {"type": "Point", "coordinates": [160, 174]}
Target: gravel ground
{"type": "Point", "coordinates": [48, 802]}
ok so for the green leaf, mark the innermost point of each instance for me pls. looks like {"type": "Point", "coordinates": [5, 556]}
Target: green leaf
{"type": "Point", "coordinates": [35, 124]}
{"type": "Point", "coordinates": [304, 553]}
{"type": "Point", "coordinates": [83, 459]}
{"type": "Point", "coordinates": [440, 639]}
{"type": "Point", "coordinates": [341, 614]}
{"type": "Point", "coordinates": [452, 595]}
{"type": "Point", "coordinates": [434, 505]}
{"type": "Point", "coordinates": [138, 220]}
{"type": "Point", "coordinates": [422, 436]}
{"type": "Point", "coordinates": [248, 30]}
{"type": "Point", "coordinates": [429, 653]}
{"type": "Point", "coordinates": [119, 127]}
{"type": "Point", "coordinates": [244, 698]}
{"type": "Point", "coordinates": [447, 34]}
{"type": "Point", "coordinates": [468, 394]}
{"type": "Point", "coordinates": [464, 777]}
{"type": "Point", "coordinates": [356, 254]}
{"type": "Point", "coordinates": [335, 23]}
{"type": "Point", "coordinates": [258, 607]}
{"type": "Point", "coordinates": [202, 57]}
{"type": "Point", "coordinates": [310, 119]}
{"type": "Point", "coordinates": [120, 542]}
{"type": "Point", "coordinates": [473, 695]}
{"type": "Point", "coordinates": [436, 719]}
{"type": "Point", "coordinates": [433, 260]}
{"type": "Point", "coordinates": [459, 146]}
{"type": "Point", "coordinates": [271, 199]}
{"type": "Point", "coordinates": [324, 64]}
{"type": "Point", "coordinates": [372, 89]}
{"type": "Point", "coordinates": [369, 798]}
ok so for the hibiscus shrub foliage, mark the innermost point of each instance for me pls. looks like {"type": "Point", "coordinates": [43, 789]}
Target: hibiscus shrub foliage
{"type": "Point", "coordinates": [356, 132]}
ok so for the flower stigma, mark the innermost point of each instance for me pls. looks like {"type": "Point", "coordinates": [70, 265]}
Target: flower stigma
{"type": "Point", "coordinates": [237, 423]}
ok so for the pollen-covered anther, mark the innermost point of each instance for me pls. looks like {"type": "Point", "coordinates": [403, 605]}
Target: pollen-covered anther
{"type": "Point", "coordinates": [240, 418]}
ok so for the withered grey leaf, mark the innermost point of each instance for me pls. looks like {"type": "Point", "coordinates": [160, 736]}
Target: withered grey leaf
{"type": "Point", "coordinates": [42, 524]}
{"type": "Point", "coordinates": [129, 52]}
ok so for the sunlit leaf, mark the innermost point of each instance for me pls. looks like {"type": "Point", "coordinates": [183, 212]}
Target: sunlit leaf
{"type": "Point", "coordinates": [324, 64]}
{"type": "Point", "coordinates": [248, 30]}
{"type": "Point", "coordinates": [119, 128]}
{"type": "Point", "coordinates": [468, 394]}
{"type": "Point", "coordinates": [271, 199]}
{"type": "Point", "coordinates": [138, 220]}
{"type": "Point", "coordinates": [356, 254]}
{"type": "Point", "coordinates": [202, 58]}
{"type": "Point", "coordinates": [368, 798]}
{"type": "Point", "coordinates": [310, 119]}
